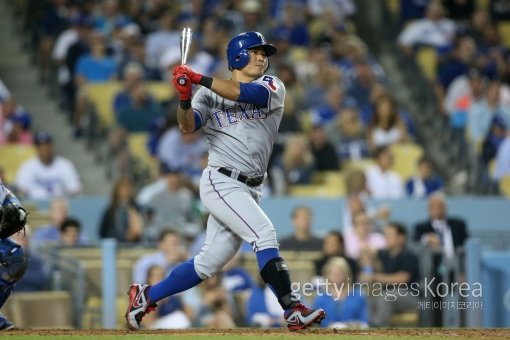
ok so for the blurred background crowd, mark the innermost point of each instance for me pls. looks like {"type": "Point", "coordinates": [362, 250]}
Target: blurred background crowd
{"type": "Point", "coordinates": [349, 129]}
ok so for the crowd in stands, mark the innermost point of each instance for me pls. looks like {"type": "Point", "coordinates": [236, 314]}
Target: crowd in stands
{"type": "Point", "coordinates": [471, 49]}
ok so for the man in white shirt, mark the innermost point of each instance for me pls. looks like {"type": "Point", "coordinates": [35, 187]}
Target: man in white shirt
{"type": "Point", "coordinates": [47, 175]}
{"type": "Point", "coordinates": [434, 30]}
{"type": "Point", "coordinates": [381, 181]}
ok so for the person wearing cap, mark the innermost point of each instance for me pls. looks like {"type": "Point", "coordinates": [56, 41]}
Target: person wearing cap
{"type": "Point", "coordinates": [47, 175]}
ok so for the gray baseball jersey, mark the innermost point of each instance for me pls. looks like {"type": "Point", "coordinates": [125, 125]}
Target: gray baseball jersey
{"type": "Point", "coordinates": [241, 136]}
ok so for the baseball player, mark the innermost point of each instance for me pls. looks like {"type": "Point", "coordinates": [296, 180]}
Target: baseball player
{"type": "Point", "coordinates": [240, 118]}
{"type": "Point", "coordinates": [13, 261]}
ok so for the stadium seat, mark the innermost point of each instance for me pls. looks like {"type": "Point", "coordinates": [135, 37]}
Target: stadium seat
{"type": "Point", "coordinates": [137, 146]}
{"type": "Point", "coordinates": [405, 158]}
{"type": "Point", "coordinates": [504, 31]}
{"type": "Point", "coordinates": [359, 164]}
{"type": "Point", "coordinates": [482, 4]}
{"type": "Point", "coordinates": [92, 316]}
{"type": "Point", "coordinates": [504, 186]}
{"type": "Point", "coordinates": [49, 309]}
{"type": "Point", "coordinates": [405, 319]}
{"type": "Point", "coordinates": [426, 57]}
{"type": "Point", "coordinates": [12, 156]}
{"type": "Point", "coordinates": [38, 218]}
{"type": "Point", "coordinates": [93, 274]}
{"type": "Point", "coordinates": [316, 190]}
{"type": "Point", "coordinates": [81, 254]}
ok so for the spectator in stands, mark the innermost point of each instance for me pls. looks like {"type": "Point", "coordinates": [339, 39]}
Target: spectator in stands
{"type": "Point", "coordinates": [70, 232]}
{"type": "Point", "coordinates": [364, 76]}
{"type": "Point", "coordinates": [15, 123]}
{"type": "Point", "coordinates": [341, 9]}
{"type": "Point", "coordinates": [236, 278]}
{"type": "Point", "coordinates": [346, 305]}
{"type": "Point", "coordinates": [47, 175]}
{"type": "Point", "coordinates": [293, 99]}
{"type": "Point", "coordinates": [457, 63]}
{"type": "Point", "coordinates": [157, 42]}
{"type": "Point", "coordinates": [482, 113]}
{"type": "Point", "coordinates": [252, 17]}
{"type": "Point", "coordinates": [134, 52]}
{"type": "Point", "coordinates": [386, 127]}
{"type": "Point", "coordinates": [297, 160]}
{"type": "Point", "coordinates": [302, 239]}
{"type": "Point", "coordinates": [499, 10]}
{"type": "Point", "coordinates": [183, 151]}
{"type": "Point", "coordinates": [121, 220]}
{"type": "Point", "coordinates": [132, 75]}
{"type": "Point", "coordinates": [322, 150]}
{"type": "Point", "coordinates": [215, 311]}
{"type": "Point", "coordinates": [37, 275]}
{"type": "Point", "coordinates": [381, 181]}
{"type": "Point", "coordinates": [348, 136]}
{"type": "Point", "coordinates": [398, 267]}
{"type": "Point", "coordinates": [434, 30]}
{"type": "Point", "coordinates": [412, 10]}
{"type": "Point", "coordinates": [326, 112]}
{"type": "Point", "coordinates": [334, 246]}
{"type": "Point", "coordinates": [502, 167]}
{"type": "Point", "coordinates": [170, 252]}
{"type": "Point", "coordinates": [262, 308]}
{"type": "Point", "coordinates": [362, 239]}
{"type": "Point", "coordinates": [59, 210]}
{"type": "Point", "coordinates": [170, 312]}
{"type": "Point", "coordinates": [173, 207]}
{"type": "Point", "coordinates": [425, 182]}
{"type": "Point", "coordinates": [141, 111]}
{"type": "Point", "coordinates": [494, 140]}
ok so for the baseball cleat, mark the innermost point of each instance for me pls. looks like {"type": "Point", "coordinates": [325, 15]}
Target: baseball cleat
{"type": "Point", "coordinates": [301, 317]}
{"type": "Point", "coordinates": [139, 305]}
{"type": "Point", "coordinates": [5, 324]}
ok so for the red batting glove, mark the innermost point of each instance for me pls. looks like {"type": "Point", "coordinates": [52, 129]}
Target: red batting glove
{"type": "Point", "coordinates": [184, 90]}
{"type": "Point", "coordinates": [192, 75]}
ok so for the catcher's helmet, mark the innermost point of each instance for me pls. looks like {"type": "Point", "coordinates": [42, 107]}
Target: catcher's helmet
{"type": "Point", "coordinates": [237, 49]}
{"type": "Point", "coordinates": [13, 261]}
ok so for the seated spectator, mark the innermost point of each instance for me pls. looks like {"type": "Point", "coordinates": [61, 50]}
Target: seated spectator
{"type": "Point", "coordinates": [348, 136]}
{"type": "Point", "coordinates": [262, 308]}
{"type": "Point", "coordinates": [502, 167]}
{"type": "Point", "coordinates": [170, 312]}
{"type": "Point", "coordinates": [434, 30]}
{"type": "Point", "coordinates": [362, 239]}
{"type": "Point", "coordinates": [323, 151]}
{"type": "Point", "coordinates": [70, 231]}
{"type": "Point", "coordinates": [398, 267]}
{"type": "Point", "coordinates": [158, 41]}
{"type": "Point", "coordinates": [465, 94]}
{"type": "Point", "coordinates": [340, 9]}
{"type": "Point", "coordinates": [15, 123]}
{"type": "Point", "coordinates": [59, 210]}
{"type": "Point", "coordinates": [173, 207]}
{"type": "Point", "coordinates": [297, 161]}
{"type": "Point", "coordinates": [302, 239]}
{"type": "Point", "coordinates": [146, 193]}
{"type": "Point", "coordinates": [236, 279]}
{"type": "Point", "coordinates": [47, 175]}
{"type": "Point", "coordinates": [327, 112]}
{"type": "Point", "coordinates": [482, 113]}
{"type": "Point", "coordinates": [215, 311]}
{"type": "Point", "coordinates": [37, 276]}
{"type": "Point", "coordinates": [381, 181]}
{"type": "Point", "coordinates": [346, 305]}
{"type": "Point", "coordinates": [425, 182]}
{"type": "Point", "coordinates": [293, 99]}
{"type": "Point", "coordinates": [141, 111]}
{"type": "Point", "coordinates": [170, 253]}
{"type": "Point", "coordinates": [132, 76]}
{"type": "Point", "coordinates": [334, 246]}
{"type": "Point", "coordinates": [494, 139]}
{"type": "Point", "coordinates": [183, 151]}
{"type": "Point", "coordinates": [121, 220]}
{"type": "Point", "coordinates": [134, 52]}
{"type": "Point", "coordinates": [386, 127]}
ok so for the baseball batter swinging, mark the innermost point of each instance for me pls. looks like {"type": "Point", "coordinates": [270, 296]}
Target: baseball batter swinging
{"type": "Point", "coordinates": [240, 118]}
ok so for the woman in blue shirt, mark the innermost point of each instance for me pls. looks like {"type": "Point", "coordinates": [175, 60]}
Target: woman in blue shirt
{"type": "Point", "coordinates": [344, 304]}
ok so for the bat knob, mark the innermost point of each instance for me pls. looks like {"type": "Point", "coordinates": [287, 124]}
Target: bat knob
{"type": "Point", "coordinates": [181, 81]}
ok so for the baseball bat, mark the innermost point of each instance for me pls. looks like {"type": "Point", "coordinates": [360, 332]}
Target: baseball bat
{"type": "Point", "coordinates": [185, 45]}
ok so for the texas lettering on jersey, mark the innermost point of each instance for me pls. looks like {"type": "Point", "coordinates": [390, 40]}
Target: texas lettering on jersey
{"type": "Point", "coordinates": [236, 114]}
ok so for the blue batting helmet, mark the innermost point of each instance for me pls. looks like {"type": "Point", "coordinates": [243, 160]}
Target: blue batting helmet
{"type": "Point", "coordinates": [13, 261]}
{"type": "Point", "coordinates": [237, 49]}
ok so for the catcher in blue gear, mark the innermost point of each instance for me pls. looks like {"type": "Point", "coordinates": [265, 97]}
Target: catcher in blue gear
{"type": "Point", "coordinates": [13, 261]}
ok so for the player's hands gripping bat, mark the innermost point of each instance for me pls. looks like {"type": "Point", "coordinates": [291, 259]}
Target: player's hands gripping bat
{"type": "Point", "coordinates": [185, 46]}
{"type": "Point", "coordinates": [12, 220]}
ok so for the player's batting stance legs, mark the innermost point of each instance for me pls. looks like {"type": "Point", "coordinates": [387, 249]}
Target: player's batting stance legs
{"type": "Point", "coordinates": [240, 117]}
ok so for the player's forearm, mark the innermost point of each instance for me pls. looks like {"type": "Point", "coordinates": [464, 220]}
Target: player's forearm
{"type": "Point", "coordinates": [228, 89]}
{"type": "Point", "coordinates": [185, 118]}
